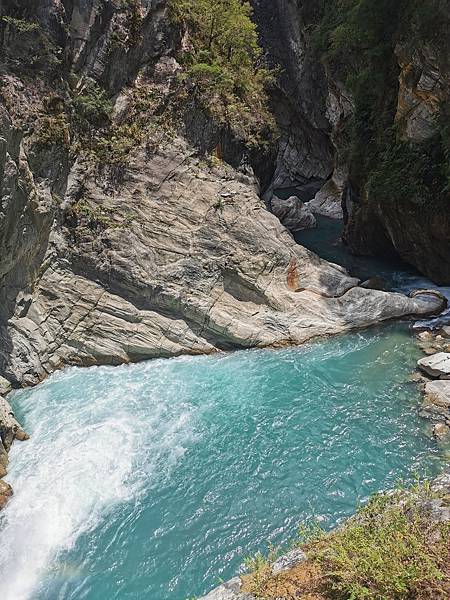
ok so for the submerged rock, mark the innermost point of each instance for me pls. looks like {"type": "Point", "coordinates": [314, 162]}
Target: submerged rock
{"type": "Point", "coordinates": [293, 213]}
{"type": "Point", "coordinates": [436, 365]}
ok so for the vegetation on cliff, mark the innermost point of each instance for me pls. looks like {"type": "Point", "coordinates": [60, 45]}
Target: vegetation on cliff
{"type": "Point", "coordinates": [393, 549]}
{"type": "Point", "coordinates": [357, 41]}
{"type": "Point", "coordinates": [223, 64]}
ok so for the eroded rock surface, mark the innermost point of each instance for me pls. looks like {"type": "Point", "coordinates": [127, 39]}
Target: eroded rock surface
{"type": "Point", "coordinates": [189, 261]}
{"type": "Point", "coordinates": [293, 213]}
{"type": "Point", "coordinates": [437, 407]}
{"type": "Point", "coordinates": [159, 250]}
{"type": "Point", "coordinates": [436, 365]}
{"type": "Point", "coordinates": [10, 430]}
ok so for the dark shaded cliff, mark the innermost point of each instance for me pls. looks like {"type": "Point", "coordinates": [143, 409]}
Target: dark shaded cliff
{"type": "Point", "coordinates": [388, 106]}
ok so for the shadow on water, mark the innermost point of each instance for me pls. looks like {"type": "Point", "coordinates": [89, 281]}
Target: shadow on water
{"type": "Point", "coordinates": [325, 240]}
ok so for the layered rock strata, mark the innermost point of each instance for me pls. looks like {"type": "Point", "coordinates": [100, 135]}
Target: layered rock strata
{"type": "Point", "coordinates": [165, 251]}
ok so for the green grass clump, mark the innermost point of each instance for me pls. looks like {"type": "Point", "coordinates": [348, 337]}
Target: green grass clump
{"type": "Point", "coordinates": [390, 550]}
{"type": "Point", "coordinates": [260, 568]}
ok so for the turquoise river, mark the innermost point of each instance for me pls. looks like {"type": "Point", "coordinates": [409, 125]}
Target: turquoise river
{"type": "Point", "coordinates": [154, 481]}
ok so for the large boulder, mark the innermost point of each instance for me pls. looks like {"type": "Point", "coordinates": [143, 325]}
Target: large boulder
{"type": "Point", "coordinates": [437, 402]}
{"type": "Point", "coordinates": [293, 213]}
{"type": "Point", "coordinates": [328, 200]}
{"type": "Point", "coordinates": [5, 493]}
{"type": "Point", "coordinates": [437, 365]}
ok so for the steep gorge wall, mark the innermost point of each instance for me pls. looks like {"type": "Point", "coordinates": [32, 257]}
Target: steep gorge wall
{"type": "Point", "coordinates": [388, 102]}
{"type": "Point", "coordinates": [362, 101]}
{"type": "Point", "coordinates": [123, 236]}
{"type": "Point", "coordinates": [305, 153]}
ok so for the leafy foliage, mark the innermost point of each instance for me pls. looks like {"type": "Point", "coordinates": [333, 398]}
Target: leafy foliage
{"type": "Point", "coordinates": [391, 550]}
{"type": "Point", "coordinates": [223, 62]}
{"type": "Point", "coordinates": [92, 106]}
{"type": "Point", "coordinates": [357, 39]}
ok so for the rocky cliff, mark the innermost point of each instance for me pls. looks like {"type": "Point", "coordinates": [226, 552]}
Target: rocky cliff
{"type": "Point", "coordinates": [129, 229]}
{"type": "Point", "coordinates": [362, 102]}
{"type": "Point", "coordinates": [388, 99]}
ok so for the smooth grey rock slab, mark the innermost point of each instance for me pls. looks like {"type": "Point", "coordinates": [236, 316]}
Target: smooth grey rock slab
{"type": "Point", "coordinates": [293, 213]}
{"type": "Point", "coordinates": [228, 591]}
{"type": "Point", "coordinates": [438, 392]}
{"type": "Point", "coordinates": [327, 202]}
{"type": "Point", "coordinates": [436, 365]}
{"type": "Point", "coordinates": [289, 560]}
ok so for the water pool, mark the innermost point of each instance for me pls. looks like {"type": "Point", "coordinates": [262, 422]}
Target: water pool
{"type": "Point", "coordinates": [155, 480]}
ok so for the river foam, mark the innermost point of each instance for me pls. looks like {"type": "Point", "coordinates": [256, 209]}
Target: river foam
{"type": "Point", "coordinates": [93, 446]}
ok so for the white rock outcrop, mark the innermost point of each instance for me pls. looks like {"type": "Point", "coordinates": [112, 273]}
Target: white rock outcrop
{"type": "Point", "coordinates": [436, 365]}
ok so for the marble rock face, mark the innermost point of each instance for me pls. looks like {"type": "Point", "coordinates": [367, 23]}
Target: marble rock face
{"type": "Point", "coordinates": [293, 213]}
{"type": "Point", "coordinates": [436, 365]}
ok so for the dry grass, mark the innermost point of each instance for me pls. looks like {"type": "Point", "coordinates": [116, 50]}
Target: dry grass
{"type": "Point", "coordinates": [391, 550]}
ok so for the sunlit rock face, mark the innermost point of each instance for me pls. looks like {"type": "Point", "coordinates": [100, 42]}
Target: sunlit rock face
{"type": "Point", "coordinates": [165, 253]}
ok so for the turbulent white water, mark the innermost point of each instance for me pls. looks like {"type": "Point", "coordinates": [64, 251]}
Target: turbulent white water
{"type": "Point", "coordinates": [81, 463]}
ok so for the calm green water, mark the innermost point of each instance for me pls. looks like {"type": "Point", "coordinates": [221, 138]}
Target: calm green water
{"type": "Point", "coordinates": [154, 480]}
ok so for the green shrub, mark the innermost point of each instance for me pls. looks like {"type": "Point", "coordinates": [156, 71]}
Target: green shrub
{"type": "Point", "coordinates": [411, 172]}
{"type": "Point", "coordinates": [92, 106]}
{"type": "Point", "coordinates": [224, 66]}
{"type": "Point", "coordinates": [21, 25]}
{"type": "Point", "coordinates": [53, 130]}
{"type": "Point", "coordinates": [390, 550]}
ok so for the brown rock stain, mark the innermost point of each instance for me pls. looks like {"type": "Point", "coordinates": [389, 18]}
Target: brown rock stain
{"type": "Point", "coordinates": [293, 278]}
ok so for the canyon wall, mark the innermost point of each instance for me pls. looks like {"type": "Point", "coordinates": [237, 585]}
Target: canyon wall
{"type": "Point", "coordinates": [131, 224]}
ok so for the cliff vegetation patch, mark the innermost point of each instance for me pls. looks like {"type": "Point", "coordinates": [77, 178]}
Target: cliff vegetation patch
{"type": "Point", "coordinates": [357, 41]}
{"type": "Point", "coordinates": [224, 66]}
{"type": "Point", "coordinates": [393, 549]}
